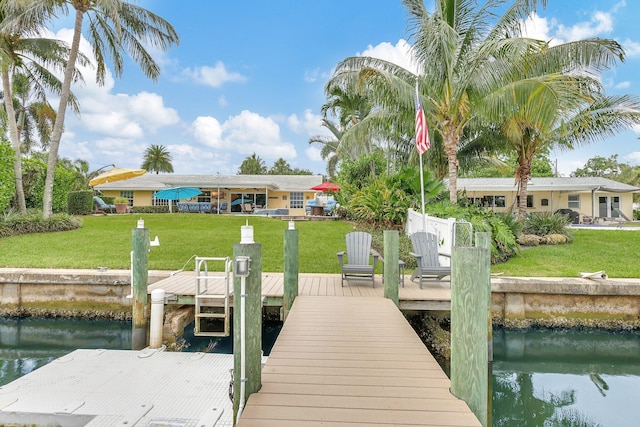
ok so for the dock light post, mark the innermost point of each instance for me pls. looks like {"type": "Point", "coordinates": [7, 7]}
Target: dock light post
{"type": "Point", "coordinates": [247, 319]}
{"type": "Point", "coordinates": [291, 243]}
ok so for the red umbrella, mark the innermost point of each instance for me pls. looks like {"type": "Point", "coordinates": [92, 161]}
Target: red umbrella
{"type": "Point", "coordinates": [326, 186]}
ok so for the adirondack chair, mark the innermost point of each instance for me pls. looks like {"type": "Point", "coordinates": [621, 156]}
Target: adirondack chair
{"type": "Point", "coordinates": [358, 257]}
{"type": "Point", "coordinates": [425, 249]}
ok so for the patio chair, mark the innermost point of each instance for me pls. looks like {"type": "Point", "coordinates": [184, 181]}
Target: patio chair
{"type": "Point", "coordinates": [425, 249]}
{"type": "Point", "coordinates": [99, 204]}
{"type": "Point", "coordinates": [358, 257]}
{"type": "Point", "coordinates": [330, 207]}
{"type": "Point", "coordinates": [222, 207]}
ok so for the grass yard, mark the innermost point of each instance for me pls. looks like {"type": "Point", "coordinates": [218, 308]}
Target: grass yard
{"type": "Point", "coordinates": [614, 251]}
{"type": "Point", "coordinates": [105, 241]}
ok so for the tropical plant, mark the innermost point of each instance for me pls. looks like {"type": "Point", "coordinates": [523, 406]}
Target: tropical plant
{"type": "Point", "coordinates": [544, 223]}
{"type": "Point", "coordinates": [280, 167]}
{"type": "Point", "coordinates": [157, 159]}
{"type": "Point", "coordinates": [463, 53]}
{"type": "Point", "coordinates": [7, 187]}
{"type": "Point", "coordinates": [32, 61]}
{"type": "Point", "coordinates": [115, 27]}
{"type": "Point", "coordinates": [555, 98]}
{"type": "Point", "coordinates": [253, 165]}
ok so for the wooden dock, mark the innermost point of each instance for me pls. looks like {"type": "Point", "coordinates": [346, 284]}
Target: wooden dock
{"type": "Point", "coordinates": [435, 295]}
{"type": "Point", "coordinates": [352, 362]}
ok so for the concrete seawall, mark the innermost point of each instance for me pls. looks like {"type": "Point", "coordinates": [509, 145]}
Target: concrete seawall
{"type": "Point", "coordinates": [59, 290]}
{"type": "Point", "coordinates": [513, 298]}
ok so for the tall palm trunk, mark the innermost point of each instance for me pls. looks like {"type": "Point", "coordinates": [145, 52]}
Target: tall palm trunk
{"type": "Point", "coordinates": [451, 141]}
{"type": "Point", "coordinates": [14, 137]}
{"type": "Point", "coordinates": [56, 134]}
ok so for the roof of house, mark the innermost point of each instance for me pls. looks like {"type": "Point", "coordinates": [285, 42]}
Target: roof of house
{"type": "Point", "coordinates": [153, 182]}
{"type": "Point", "coordinates": [578, 184]}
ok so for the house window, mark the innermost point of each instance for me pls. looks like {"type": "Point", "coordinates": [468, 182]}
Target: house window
{"type": "Point", "coordinates": [296, 200]}
{"type": "Point", "coordinates": [490, 201]}
{"type": "Point", "coordinates": [574, 201]}
{"type": "Point", "coordinates": [127, 195]}
{"type": "Point", "coordinates": [544, 202]}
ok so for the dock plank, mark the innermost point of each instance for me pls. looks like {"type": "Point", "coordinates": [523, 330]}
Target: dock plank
{"type": "Point", "coordinates": [352, 361]}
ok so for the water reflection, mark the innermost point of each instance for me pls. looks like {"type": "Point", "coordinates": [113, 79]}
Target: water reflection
{"type": "Point", "coordinates": [566, 378]}
{"type": "Point", "coordinates": [27, 344]}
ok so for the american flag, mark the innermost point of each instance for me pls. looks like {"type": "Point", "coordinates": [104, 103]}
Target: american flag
{"type": "Point", "coordinates": [422, 131]}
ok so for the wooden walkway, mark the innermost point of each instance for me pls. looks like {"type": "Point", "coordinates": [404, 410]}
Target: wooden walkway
{"type": "Point", "coordinates": [435, 295]}
{"type": "Point", "coordinates": [352, 362]}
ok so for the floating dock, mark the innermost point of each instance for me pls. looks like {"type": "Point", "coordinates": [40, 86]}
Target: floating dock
{"type": "Point", "coordinates": [122, 388]}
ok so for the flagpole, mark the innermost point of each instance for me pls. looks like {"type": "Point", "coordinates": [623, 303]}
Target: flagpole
{"type": "Point", "coordinates": [424, 221]}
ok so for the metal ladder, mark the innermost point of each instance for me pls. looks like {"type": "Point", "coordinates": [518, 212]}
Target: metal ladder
{"type": "Point", "coordinates": [211, 306]}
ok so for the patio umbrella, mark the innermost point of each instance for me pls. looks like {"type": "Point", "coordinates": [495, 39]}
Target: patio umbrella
{"type": "Point", "coordinates": [177, 193]}
{"type": "Point", "coordinates": [328, 187]}
{"type": "Point", "coordinates": [116, 174]}
{"type": "Point", "coordinates": [241, 201]}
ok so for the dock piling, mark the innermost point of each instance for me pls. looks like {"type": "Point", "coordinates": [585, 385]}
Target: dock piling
{"type": "Point", "coordinates": [291, 239]}
{"type": "Point", "coordinates": [391, 255]}
{"type": "Point", "coordinates": [139, 277]}
{"type": "Point", "coordinates": [253, 324]}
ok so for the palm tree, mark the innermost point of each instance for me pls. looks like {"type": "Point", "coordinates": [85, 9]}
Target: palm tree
{"type": "Point", "coordinates": [462, 52]}
{"type": "Point", "coordinates": [115, 27]}
{"type": "Point", "coordinates": [27, 65]}
{"type": "Point", "coordinates": [158, 159]}
{"type": "Point", "coordinates": [330, 146]}
{"type": "Point", "coordinates": [280, 167]}
{"type": "Point", "coordinates": [557, 100]}
{"type": "Point", "coordinates": [253, 165]}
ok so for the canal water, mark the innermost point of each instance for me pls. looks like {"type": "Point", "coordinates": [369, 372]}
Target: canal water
{"type": "Point", "coordinates": [583, 378]}
{"type": "Point", "coordinates": [26, 344]}
{"type": "Point", "coordinates": [541, 377]}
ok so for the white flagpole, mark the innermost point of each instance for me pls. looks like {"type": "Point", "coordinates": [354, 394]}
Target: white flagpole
{"type": "Point", "coordinates": [424, 221]}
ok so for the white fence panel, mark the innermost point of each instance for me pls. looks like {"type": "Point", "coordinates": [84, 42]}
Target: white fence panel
{"type": "Point", "coordinates": [443, 228]}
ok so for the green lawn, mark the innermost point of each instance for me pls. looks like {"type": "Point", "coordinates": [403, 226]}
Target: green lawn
{"type": "Point", "coordinates": [105, 241]}
{"type": "Point", "coordinates": [614, 251]}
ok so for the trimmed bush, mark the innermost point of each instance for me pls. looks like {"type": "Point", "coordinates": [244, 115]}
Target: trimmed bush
{"type": "Point", "coordinates": [14, 224]}
{"type": "Point", "coordinates": [80, 203]}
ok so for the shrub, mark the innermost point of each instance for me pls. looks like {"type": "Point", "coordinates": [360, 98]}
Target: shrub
{"type": "Point", "coordinates": [80, 203]}
{"type": "Point", "coordinates": [121, 200]}
{"type": "Point", "coordinates": [543, 223]}
{"type": "Point", "coordinates": [13, 224]}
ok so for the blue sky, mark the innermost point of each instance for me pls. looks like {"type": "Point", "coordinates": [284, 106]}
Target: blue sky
{"type": "Point", "coordinates": [249, 76]}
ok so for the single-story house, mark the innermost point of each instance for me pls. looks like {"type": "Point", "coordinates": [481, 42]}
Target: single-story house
{"type": "Point", "coordinates": [236, 193]}
{"type": "Point", "coordinates": [593, 197]}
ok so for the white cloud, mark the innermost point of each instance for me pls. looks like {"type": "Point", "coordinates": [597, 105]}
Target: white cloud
{"type": "Point", "coordinates": [115, 124]}
{"type": "Point", "coordinates": [631, 48]}
{"type": "Point", "coordinates": [313, 153]}
{"type": "Point", "coordinates": [214, 76]}
{"type": "Point", "coordinates": [538, 28]}
{"type": "Point", "coordinates": [245, 133]}
{"type": "Point", "coordinates": [309, 124]}
{"type": "Point", "coordinates": [601, 23]}
{"type": "Point", "coordinates": [399, 54]}
{"type": "Point", "coordinates": [623, 85]}
{"type": "Point", "coordinates": [633, 158]}
{"type": "Point", "coordinates": [150, 109]}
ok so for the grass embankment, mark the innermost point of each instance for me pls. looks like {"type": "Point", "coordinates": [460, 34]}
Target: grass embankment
{"type": "Point", "coordinates": [105, 241]}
